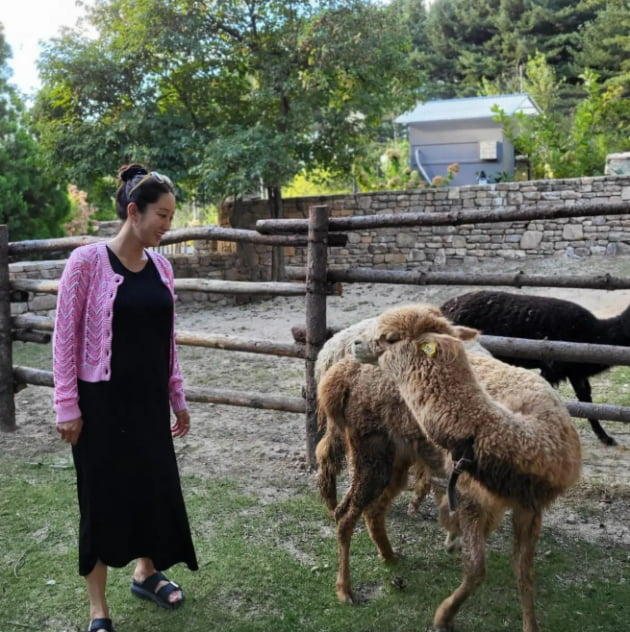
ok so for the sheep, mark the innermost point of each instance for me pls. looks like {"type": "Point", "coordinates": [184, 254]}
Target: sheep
{"type": "Point", "coordinates": [364, 416]}
{"type": "Point", "coordinates": [366, 419]}
{"type": "Point", "coordinates": [518, 454]}
{"type": "Point", "coordinates": [525, 316]}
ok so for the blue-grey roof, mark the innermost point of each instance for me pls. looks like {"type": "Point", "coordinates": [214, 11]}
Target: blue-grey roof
{"type": "Point", "coordinates": [468, 108]}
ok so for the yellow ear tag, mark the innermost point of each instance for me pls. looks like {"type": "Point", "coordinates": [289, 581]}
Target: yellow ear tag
{"type": "Point", "coordinates": [429, 348]}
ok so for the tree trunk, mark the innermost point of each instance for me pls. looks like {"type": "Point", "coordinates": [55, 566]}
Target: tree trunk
{"type": "Point", "coordinates": [277, 252]}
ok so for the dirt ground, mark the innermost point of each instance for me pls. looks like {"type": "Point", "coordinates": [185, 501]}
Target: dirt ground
{"type": "Point", "coordinates": [265, 450]}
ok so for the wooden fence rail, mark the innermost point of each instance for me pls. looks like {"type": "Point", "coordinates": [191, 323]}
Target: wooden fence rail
{"type": "Point", "coordinates": [30, 323]}
{"type": "Point", "coordinates": [38, 377]}
{"type": "Point", "coordinates": [208, 286]}
{"type": "Point", "coordinates": [448, 218]}
{"type": "Point", "coordinates": [206, 233]}
{"type": "Point", "coordinates": [516, 279]}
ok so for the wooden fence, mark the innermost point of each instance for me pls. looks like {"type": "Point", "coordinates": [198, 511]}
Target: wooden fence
{"type": "Point", "coordinates": [315, 282]}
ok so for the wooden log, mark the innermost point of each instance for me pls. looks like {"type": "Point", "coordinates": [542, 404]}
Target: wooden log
{"type": "Point", "coordinates": [208, 286]}
{"type": "Point", "coordinates": [247, 399]}
{"type": "Point", "coordinates": [7, 402]}
{"type": "Point", "coordinates": [234, 343]}
{"type": "Point", "coordinates": [250, 399]}
{"type": "Point", "coordinates": [218, 233]}
{"type": "Point", "coordinates": [315, 319]}
{"type": "Point", "coordinates": [517, 347]}
{"type": "Point", "coordinates": [37, 377]}
{"type": "Point", "coordinates": [31, 322]}
{"type": "Point", "coordinates": [556, 350]}
{"type": "Point", "coordinates": [517, 279]}
{"type": "Point", "coordinates": [39, 286]}
{"type": "Point", "coordinates": [31, 336]}
{"type": "Point", "coordinates": [30, 375]}
{"type": "Point", "coordinates": [59, 244]}
{"type": "Point", "coordinates": [451, 218]}
{"type": "Point", "coordinates": [254, 288]}
{"type": "Point", "coordinates": [202, 233]}
{"type": "Point", "coordinates": [607, 412]}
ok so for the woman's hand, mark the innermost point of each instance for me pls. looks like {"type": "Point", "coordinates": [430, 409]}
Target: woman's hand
{"type": "Point", "coordinates": [182, 423]}
{"type": "Point", "coordinates": [70, 430]}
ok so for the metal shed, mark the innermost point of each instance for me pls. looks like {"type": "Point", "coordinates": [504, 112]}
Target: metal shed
{"type": "Point", "coordinates": [464, 131]}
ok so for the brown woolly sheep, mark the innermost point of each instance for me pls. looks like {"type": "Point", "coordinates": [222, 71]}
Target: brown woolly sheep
{"type": "Point", "coordinates": [366, 419]}
{"type": "Point", "coordinates": [520, 454]}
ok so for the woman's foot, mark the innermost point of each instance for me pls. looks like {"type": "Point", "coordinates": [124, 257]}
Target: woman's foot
{"type": "Point", "coordinates": [157, 588]}
{"type": "Point", "coordinates": [101, 624]}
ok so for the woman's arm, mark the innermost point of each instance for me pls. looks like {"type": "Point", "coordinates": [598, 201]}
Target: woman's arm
{"type": "Point", "coordinates": [70, 306]}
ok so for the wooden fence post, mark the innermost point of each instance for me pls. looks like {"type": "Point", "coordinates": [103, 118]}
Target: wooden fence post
{"type": "Point", "coordinates": [316, 269]}
{"type": "Point", "coordinates": [7, 402]}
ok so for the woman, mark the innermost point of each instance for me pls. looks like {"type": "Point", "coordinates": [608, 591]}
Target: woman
{"type": "Point", "coordinates": [116, 372]}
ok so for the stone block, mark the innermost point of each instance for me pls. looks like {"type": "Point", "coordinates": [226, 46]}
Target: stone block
{"type": "Point", "coordinates": [573, 232]}
{"type": "Point", "coordinates": [531, 239]}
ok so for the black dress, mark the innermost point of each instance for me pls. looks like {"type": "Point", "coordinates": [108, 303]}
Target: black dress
{"type": "Point", "coordinates": [130, 498]}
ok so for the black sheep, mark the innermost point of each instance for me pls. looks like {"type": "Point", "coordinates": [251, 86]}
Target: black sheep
{"type": "Point", "coordinates": [537, 317]}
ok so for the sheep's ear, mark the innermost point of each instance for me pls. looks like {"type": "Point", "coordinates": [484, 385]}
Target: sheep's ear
{"type": "Point", "coordinates": [465, 333]}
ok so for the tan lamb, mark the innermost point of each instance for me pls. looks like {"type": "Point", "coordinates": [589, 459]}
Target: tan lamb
{"type": "Point", "coordinates": [519, 454]}
{"type": "Point", "coordinates": [366, 420]}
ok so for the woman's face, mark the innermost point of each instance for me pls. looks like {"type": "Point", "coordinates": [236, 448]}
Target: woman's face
{"type": "Point", "coordinates": [149, 227]}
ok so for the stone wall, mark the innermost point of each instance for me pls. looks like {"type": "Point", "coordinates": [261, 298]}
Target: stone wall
{"type": "Point", "coordinates": [410, 248]}
{"type": "Point", "coordinates": [426, 248]}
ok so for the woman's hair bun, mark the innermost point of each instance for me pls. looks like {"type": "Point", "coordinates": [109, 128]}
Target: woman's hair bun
{"type": "Point", "coordinates": [129, 172]}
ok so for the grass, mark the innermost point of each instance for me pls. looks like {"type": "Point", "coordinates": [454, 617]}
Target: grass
{"type": "Point", "coordinates": [272, 567]}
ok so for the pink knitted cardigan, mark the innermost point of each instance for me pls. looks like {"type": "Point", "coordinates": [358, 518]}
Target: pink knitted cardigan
{"type": "Point", "coordinates": [82, 338]}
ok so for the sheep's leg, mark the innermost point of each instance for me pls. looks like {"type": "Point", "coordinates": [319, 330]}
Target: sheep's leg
{"type": "Point", "coordinates": [376, 512]}
{"type": "Point", "coordinates": [347, 514]}
{"type": "Point", "coordinates": [473, 558]}
{"type": "Point", "coordinates": [527, 524]}
{"type": "Point", "coordinates": [371, 474]}
{"type": "Point", "coordinates": [582, 388]}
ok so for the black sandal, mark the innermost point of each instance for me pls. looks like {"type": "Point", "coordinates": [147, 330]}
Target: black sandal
{"type": "Point", "coordinates": [101, 624]}
{"type": "Point", "coordinates": [146, 590]}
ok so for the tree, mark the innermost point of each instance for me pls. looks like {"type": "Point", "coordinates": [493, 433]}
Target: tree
{"type": "Point", "coordinates": [606, 44]}
{"type": "Point", "coordinates": [34, 204]}
{"type": "Point", "coordinates": [575, 145]}
{"type": "Point", "coordinates": [228, 96]}
{"type": "Point", "coordinates": [467, 40]}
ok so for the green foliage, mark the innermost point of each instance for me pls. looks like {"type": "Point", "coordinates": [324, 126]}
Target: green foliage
{"type": "Point", "coordinates": [316, 183]}
{"type": "Point", "coordinates": [34, 204]}
{"type": "Point", "coordinates": [561, 146]}
{"type": "Point", "coordinates": [606, 45]}
{"type": "Point", "coordinates": [227, 97]}
{"type": "Point", "coordinates": [459, 42]}
{"type": "Point", "coordinates": [386, 167]}
{"type": "Point", "coordinates": [82, 213]}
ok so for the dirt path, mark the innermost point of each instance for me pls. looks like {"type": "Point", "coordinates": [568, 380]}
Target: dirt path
{"type": "Point", "coordinates": [265, 449]}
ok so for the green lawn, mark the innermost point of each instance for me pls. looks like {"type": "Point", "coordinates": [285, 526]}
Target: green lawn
{"type": "Point", "coordinates": [271, 567]}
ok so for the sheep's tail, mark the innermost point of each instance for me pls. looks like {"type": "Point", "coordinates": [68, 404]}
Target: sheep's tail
{"type": "Point", "coordinates": [331, 459]}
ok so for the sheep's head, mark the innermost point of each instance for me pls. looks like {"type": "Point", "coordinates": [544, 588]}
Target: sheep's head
{"type": "Point", "coordinates": [405, 323]}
